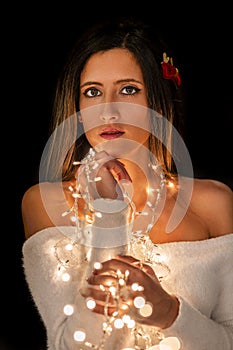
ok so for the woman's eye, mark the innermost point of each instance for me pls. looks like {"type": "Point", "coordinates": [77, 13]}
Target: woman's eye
{"type": "Point", "coordinates": [92, 92]}
{"type": "Point", "coordinates": [130, 90]}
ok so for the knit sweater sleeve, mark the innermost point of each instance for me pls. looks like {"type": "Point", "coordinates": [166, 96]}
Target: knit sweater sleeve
{"type": "Point", "coordinates": [51, 294]}
{"type": "Point", "coordinates": [196, 331]}
{"type": "Point", "coordinates": [48, 264]}
{"type": "Point", "coordinates": [203, 282]}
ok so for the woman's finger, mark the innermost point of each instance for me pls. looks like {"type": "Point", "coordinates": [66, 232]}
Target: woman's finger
{"type": "Point", "coordinates": [135, 262]}
{"type": "Point", "coordinates": [118, 170]}
{"type": "Point", "coordinates": [124, 263]}
{"type": "Point", "coordinates": [97, 294]}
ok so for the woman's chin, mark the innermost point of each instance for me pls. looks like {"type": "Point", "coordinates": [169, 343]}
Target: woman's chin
{"type": "Point", "coordinates": [120, 148]}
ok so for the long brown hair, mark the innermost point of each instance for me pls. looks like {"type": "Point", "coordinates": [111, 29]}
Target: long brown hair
{"type": "Point", "coordinates": [65, 145]}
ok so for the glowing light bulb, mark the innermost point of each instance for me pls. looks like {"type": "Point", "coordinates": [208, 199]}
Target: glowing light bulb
{"type": "Point", "coordinates": [131, 324]}
{"type": "Point", "coordinates": [118, 323]}
{"type": "Point", "coordinates": [124, 307]}
{"type": "Point", "coordinates": [118, 272]}
{"type": "Point", "coordinates": [65, 277]}
{"type": "Point", "coordinates": [146, 310]}
{"type": "Point", "coordinates": [126, 318]}
{"type": "Point", "coordinates": [79, 335]}
{"type": "Point", "coordinates": [121, 282]}
{"type": "Point", "coordinates": [139, 302]}
{"type": "Point", "coordinates": [75, 195]}
{"type": "Point", "coordinates": [112, 290]}
{"type": "Point", "coordinates": [150, 205]}
{"type": "Point", "coordinates": [73, 218]}
{"type": "Point", "coordinates": [98, 178]}
{"type": "Point", "coordinates": [91, 304]}
{"type": "Point", "coordinates": [134, 286]}
{"type": "Point", "coordinates": [69, 246]}
{"type": "Point", "coordinates": [170, 184]}
{"type": "Point", "coordinates": [126, 274]}
{"type": "Point", "coordinates": [68, 310]}
{"type": "Point", "coordinates": [98, 265]}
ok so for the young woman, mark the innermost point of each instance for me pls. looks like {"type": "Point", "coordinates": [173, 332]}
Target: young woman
{"type": "Point", "coordinates": [116, 187]}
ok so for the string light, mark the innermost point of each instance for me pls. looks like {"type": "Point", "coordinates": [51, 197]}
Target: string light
{"type": "Point", "coordinates": [120, 292]}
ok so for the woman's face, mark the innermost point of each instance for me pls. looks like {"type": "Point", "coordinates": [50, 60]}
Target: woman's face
{"type": "Point", "coordinates": [113, 99]}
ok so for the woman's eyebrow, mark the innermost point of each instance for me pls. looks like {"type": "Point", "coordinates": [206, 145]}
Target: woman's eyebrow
{"type": "Point", "coordinates": [87, 83]}
{"type": "Point", "coordinates": [128, 80]}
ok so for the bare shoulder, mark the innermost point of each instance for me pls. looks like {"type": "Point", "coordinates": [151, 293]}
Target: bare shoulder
{"type": "Point", "coordinates": [41, 207]}
{"type": "Point", "coordinates": [33, 213]}
{"type": "Point", "coordinates": [30, 197]}
{"type": "Point", "coordinates": [213, 200]}
{"type": "Point", "coordinates": [33, 195]}
{"type": "Point", "coordinates": [213, 188]}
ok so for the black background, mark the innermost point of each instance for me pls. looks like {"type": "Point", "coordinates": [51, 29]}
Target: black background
{"type": "Point", "coordinates": [36, 39]}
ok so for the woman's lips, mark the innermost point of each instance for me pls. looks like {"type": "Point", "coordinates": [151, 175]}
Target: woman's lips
{"type": "Point", "coordinates": [110, 134]}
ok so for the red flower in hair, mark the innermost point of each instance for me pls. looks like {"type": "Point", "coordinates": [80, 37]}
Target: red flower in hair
{"type": "Point", "coordinates": [169, 71]}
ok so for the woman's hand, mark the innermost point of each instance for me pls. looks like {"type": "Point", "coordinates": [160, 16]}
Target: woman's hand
{"type": "Point", "coordinates": [164, 307]}
{"type": "Point", "coordinates": [109, 172]}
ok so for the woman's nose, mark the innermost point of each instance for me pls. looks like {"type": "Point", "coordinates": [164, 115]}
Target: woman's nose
{"type": "Point", "coordinates": [109, 112]}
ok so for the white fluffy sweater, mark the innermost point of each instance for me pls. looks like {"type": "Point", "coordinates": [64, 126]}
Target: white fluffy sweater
{"type": "Point", "coordinates": [201, 275]}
